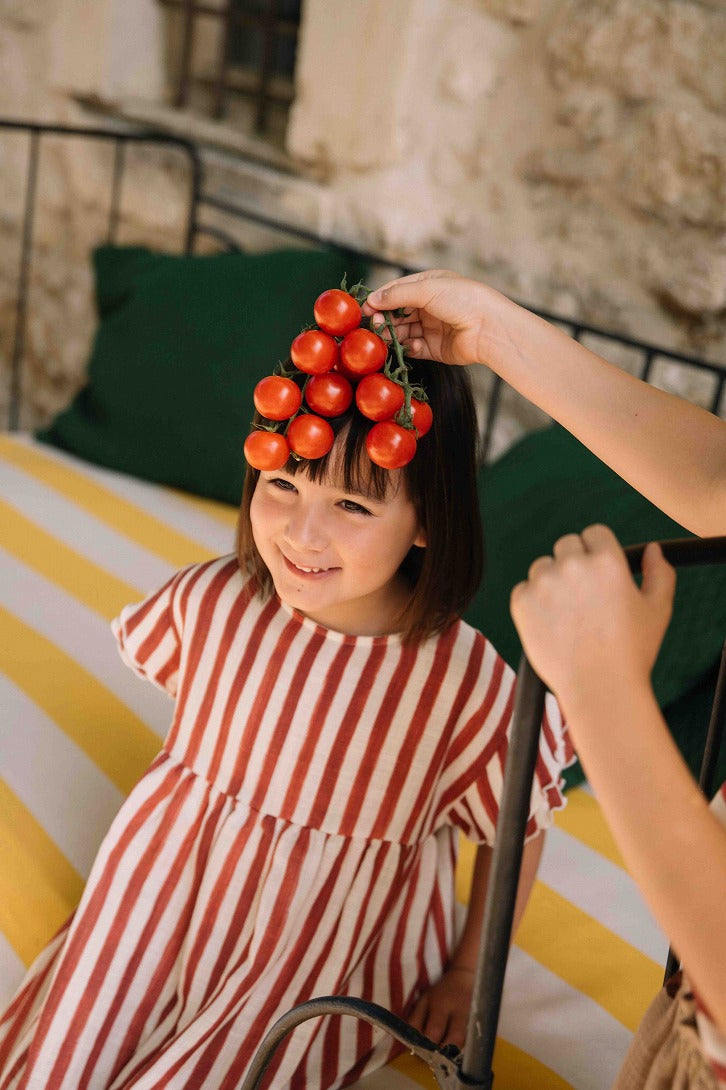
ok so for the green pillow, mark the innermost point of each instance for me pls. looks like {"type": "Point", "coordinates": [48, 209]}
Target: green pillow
{"type": "Point", "coordinates": [181, 343]}
{"type": "Point", "coordinates": [548, 485]}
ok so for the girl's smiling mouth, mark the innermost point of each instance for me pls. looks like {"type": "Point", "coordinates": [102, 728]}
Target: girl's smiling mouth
{"type": "Point", "coordinates": [305, 570]}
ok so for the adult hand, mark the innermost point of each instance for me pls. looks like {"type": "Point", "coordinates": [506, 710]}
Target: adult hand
{"type": "Point", "coordinates": [447, 316]}
{"type": "Point", "coordinates": [584, 623]}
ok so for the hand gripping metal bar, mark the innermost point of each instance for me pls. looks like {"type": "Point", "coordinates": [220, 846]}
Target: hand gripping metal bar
{"type": "Point", "coordinates": [471, 1069]}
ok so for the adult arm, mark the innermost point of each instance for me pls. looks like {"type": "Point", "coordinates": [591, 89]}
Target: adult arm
{"type": "Point", "coordinates": [593, 637]}
{"type": "Point", "coordinates": [671, 451]}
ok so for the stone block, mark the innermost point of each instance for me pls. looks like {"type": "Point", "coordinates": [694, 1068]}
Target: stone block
{"type": "Point", "coordinates": [515, 11]}
{"type": "Point", "coordinates": [677, 167]}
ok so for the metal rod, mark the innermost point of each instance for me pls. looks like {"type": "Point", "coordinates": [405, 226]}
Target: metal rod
{"type": "Point", "coordinates": [155, 136]}
{"type": "Point", "coordinates": [126, 136]}
{"type": "Point", "coordinates": [647, 366]}
{"type": "Point", "coordinates": [268, 57]}
{"type": "Point", "coordinates": [221, 236]}
{"type": "Point", "coordinates": [495, 395]}
{"type": "Point", "coordinates": [504, 877]}
{"type": "Point", "coordinates": [118, 169]}
{"type": "Point", "coordinates": [220, 90]}
{"type": "Point", "coordinates": [253, 216]}
{"type": "Point", "coordinates": [682, 552]}
{"type": "Point", "coordinates": [239, 16]}
{"type": "Point", "coordinates": [709, 764]}
{"type": "Point", "coordinates": [514, 809]}
{"type": "Point", "coordinates": [196, 185]}
{"type": "Point", "coordinates": [186, 55]}
{"type": "Point", "coordinates": [440, 1060]}
{"type": "Point", "coordinates": [716, 730]}
{"type": "Point", "coordinates": [16, 360]}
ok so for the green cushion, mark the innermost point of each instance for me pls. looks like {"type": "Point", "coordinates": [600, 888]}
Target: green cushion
{"type": "Point", "coordinates": [181, 343]}
{"type": "Point", "coordinates": [548, 485]}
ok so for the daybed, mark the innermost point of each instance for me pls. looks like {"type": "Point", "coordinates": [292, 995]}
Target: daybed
{"type": "Point", "coordinates": [139, 477]}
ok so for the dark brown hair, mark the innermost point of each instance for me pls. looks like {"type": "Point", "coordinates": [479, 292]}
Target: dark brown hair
{"type": "Point", "coordinates": [441, 483]}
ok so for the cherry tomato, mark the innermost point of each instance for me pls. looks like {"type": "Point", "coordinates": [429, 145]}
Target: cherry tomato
{"type": "Point", "coordinates": [277, 398]}
{"type": "Point", "coordinates": [343, 370]}
{"type": "Point", "coordinates": [314, 352]}
{"type": "Point", "coordinates": [422, 415]}
{"type": "Point", "coordinates": [378, 397]}
{"type": "Point", "coordinates": [329, 394]}
{"type": "Point", "coordinates": [389, 445]}
{"type": "Point", "coordinates": [266, 450]}
{"type": "Point", "coordinates": [363, 352]}
{"type": "Point", "coordinates": [336, 312]}
{"type": "Point", "coordinates": [310, 436]}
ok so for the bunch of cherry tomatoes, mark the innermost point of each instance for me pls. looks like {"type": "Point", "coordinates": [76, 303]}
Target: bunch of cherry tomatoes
{"type": "Point", "coordinates": [332, 364]}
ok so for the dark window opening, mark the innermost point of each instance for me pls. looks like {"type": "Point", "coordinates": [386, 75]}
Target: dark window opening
{"type": "Point", "coordinates": [235, 60]}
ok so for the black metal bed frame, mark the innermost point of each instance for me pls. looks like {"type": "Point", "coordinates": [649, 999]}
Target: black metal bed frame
{"type": "Point", "coordinates": [202, 200]}
{"type": "Point", "coordinates": [471, 1067]}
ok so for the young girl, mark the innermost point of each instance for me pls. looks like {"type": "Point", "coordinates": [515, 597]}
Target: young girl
{"type": "Point", "coordinates": [335, 726]}
{"type": "Point", "coordinates": [593, 636]}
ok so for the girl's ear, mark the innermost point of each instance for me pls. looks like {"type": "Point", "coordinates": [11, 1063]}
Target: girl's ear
{"type": "Point", "coordinates": [421, 540]}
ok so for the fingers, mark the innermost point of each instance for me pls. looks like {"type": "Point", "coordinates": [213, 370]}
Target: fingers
{"type": "Point", "coordinates": [569, 545]}
{"type": "Point", "coordinates": [441, 1012]}
{"type": "Point", "coordinates": [427, 1021]}
{"type": "Point", "coordinates": [599, 538]}
{"type": "Point", "coordinates": [456, 1029]}
{"type": "Point", "coordinates": [596, 539]}
{"type": "Point", "coordinates": [593, 539]}
{"type": "Point", "coordinates": [419, 1015]}
{"type": "Point", "coordinates": [442, 1026]}
{"type": "Point", "coordinates": [405, 291]}
{"type": "Point", "coordinates": [436, 1026]}
{"type": "Point", "coordinates": [405, 330]}
{"type": "Point", "coordinates": [409, 293]}
{"type": "Point", "coordinates": [539, 566]}
{"type": "Point", "coordinates": [659, 578]}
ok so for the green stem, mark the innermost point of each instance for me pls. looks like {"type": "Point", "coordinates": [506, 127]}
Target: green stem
{"type": "Point", "coordinates": [400, 375]}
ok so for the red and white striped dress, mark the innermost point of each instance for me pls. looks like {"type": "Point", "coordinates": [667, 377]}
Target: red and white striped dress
{"type": "Point", "coordinates": [296, 836]}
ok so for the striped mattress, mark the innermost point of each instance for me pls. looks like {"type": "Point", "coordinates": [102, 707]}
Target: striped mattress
{"type": "Point", "coordinates": [77, 728]}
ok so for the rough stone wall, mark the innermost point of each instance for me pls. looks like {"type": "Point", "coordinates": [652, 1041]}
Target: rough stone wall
{"type": "Point", "coordinates": [571, 152]}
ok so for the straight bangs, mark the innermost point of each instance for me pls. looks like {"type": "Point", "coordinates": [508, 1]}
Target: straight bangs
{"type": "Point", "coordinates": [347, 462]}
{"type": "Point", "coordinates": [440, 481]}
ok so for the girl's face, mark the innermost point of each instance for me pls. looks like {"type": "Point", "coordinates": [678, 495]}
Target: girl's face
{"type": "Point", "coordinates": [334, 555]}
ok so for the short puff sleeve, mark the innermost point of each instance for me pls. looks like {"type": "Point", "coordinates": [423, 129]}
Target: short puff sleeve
{"type": "Point", "coordinates": [471, 785]}
{"type": "Point", "coordinates": [149, 635]}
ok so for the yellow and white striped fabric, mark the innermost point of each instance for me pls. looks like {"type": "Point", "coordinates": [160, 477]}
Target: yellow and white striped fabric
{"type": "Point", "coordinates": [77, 728]}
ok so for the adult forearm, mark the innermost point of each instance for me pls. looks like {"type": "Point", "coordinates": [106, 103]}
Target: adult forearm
{"type": "Point", "coordinates": [671, 451]}
{"type": "Point", "coordinates": [672, 844]}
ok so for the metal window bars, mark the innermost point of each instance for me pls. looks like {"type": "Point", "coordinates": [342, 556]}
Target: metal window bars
{"type": "Point", "coordinates": [471, 1067]}
{"type": "Point", "coordinates": [257, 77]}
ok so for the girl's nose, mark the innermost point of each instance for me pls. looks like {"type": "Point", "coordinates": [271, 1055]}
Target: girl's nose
{"type": "Point", "coordinates": [306, 529]}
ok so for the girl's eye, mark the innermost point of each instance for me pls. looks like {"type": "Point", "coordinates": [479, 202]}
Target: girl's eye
{"type": "Point", "coordinates": [354, 508]}
{"type": "Point", "coordinates": [282, 484]}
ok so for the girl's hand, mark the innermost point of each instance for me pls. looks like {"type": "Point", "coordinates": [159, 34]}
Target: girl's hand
{"type": "Point", "coordinates": [442, 1012]}
{"type": "Point", "coordinates": [584, 623]}
{"type": "Point", "coordinates": [447, 315]}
